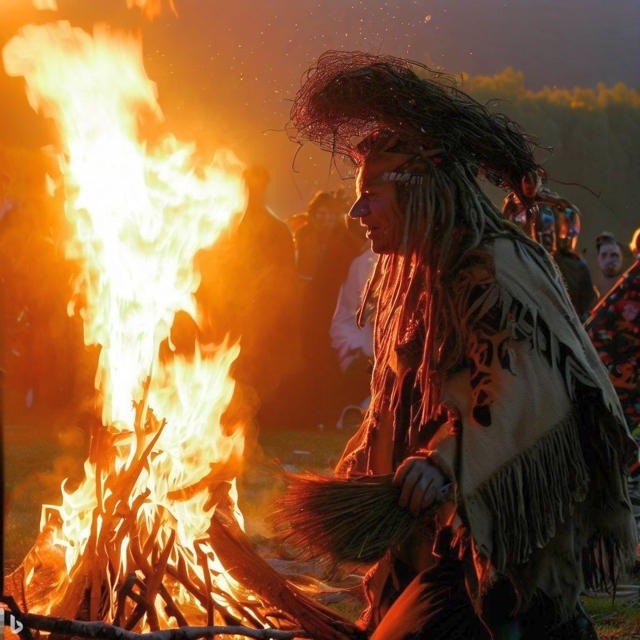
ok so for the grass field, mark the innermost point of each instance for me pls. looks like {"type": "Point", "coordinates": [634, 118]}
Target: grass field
{"type": "Point", "coordinates": [38, 456]}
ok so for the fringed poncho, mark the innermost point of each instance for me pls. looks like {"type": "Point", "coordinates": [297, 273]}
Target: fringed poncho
{"type": "Point", "coordinates": [538, 447]}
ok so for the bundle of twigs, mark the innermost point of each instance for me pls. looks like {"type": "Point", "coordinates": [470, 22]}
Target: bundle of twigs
{"type": "Point", "coordinates": [342, 520]}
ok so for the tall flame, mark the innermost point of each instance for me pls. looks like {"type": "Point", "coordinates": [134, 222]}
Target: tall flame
{"type": "Point", "coordinates": [140, 216]}
{"type": "Point", "coordinates": [151, 8]}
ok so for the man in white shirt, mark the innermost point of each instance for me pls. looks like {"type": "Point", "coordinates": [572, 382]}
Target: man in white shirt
{"type": "Point", "coordinates": [354, 343]}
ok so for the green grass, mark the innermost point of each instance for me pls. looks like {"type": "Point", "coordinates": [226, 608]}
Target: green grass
{"type": "Point", "coordinates": [614, 621]}
{"type": "Point", "coordinates": [40, 454]}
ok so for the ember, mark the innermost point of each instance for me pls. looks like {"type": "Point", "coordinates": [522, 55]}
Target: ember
{"type": "Point", "coordinates": [136, 543]}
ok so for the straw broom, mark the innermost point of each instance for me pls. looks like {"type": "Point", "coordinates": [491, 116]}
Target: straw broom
{"type": "Point", "coordinates": [343, 520]}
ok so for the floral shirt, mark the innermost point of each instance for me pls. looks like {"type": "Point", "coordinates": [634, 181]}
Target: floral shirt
{"type": "Point", "coordinates": [614, 328]}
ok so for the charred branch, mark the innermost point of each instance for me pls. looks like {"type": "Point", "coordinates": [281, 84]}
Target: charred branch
{"type": "Point", "coordinates": [104, 631]}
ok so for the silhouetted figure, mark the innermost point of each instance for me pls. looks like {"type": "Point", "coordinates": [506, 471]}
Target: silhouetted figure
{"type": "Point", "coordinates": [320, 296]}
{"type": "Point", "coordinates": [572, 265]}
{"type": "Point", "coordinates": [250, 291]}
{"type": "Point", "coordinates": [312, 235]}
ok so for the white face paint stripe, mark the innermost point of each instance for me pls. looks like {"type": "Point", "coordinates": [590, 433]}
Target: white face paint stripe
{"type": "Point", "coordinates": [392, 176]}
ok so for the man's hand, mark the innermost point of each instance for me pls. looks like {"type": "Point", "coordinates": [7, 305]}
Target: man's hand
{"type": "Point", "coordinates": [420, 482]}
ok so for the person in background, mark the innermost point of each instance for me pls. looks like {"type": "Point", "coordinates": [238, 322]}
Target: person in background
{"type": "Point", "coordinates": [609, 256]}
{"type": "Point", "coordinates": [319, 385]}
{"type": "Point", "coordinates": [614, 329]}
{"type": "Point", "coordinates": [353, 340]}
{"type": "Point", "coordinates": [572, 265]}
{"type": "Point", "coordinates": [250, 291]}
{"type": "Point", "coordinates": [312, 236]}
{"type": "Point", "coordinates": [555, 224]}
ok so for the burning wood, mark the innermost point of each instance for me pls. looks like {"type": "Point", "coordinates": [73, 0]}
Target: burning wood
{"type": "Point", "coordinates": [155, 586]}
{"type": "Point", "coordinates": [62, 627]}
{"type": "Point", "coordinates": [152, 537]}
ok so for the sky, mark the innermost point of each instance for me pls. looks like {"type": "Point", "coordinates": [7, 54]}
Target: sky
{"type": "Point", "coordinates": [227, 69]}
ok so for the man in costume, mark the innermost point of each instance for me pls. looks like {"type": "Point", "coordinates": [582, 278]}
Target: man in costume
{"type": "Point", "coordinates": [555, 224]}
{"type": "Point", "coordinates": [614, 328]}
{"type": "Point", "coordinates": [487, 394]}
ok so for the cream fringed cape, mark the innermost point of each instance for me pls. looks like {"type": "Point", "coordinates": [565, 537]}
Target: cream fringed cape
{"type": "Point", "coordinates": [540, 458]}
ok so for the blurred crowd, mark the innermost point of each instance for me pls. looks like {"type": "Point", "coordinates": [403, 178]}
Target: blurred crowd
{"type": "Point", "coordinates": [290, 292]}
{"type": "Point", "coordinates": [301, 360]}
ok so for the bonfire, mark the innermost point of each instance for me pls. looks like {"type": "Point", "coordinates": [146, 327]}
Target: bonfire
{"type": "Point", "coordinates": [152, 539]}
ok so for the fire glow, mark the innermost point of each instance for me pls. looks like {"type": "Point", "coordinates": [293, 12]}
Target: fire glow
{"type": "Point", "coordinates": [162, 461]}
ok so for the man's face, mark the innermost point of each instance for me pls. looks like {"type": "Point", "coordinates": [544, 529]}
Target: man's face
{"type": "Point", "coordinates": [610, 259]}
{"type": "Point", "coordinates": [379, 212]}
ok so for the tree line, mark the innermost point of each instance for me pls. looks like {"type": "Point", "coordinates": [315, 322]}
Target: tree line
{"type": "Point", "coordinates": [594, 141]}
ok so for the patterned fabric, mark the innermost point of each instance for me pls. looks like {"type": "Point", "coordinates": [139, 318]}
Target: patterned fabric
{"type": "Point", "coordinates": [614, 328]}
{"type": "Point", "coordinates": [537, 447]}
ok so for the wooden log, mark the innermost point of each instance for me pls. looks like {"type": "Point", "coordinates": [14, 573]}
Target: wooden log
{"type": "Point", "coordinates": [242, 562]}
{"type": "Point", "coordinates": [103, 631]}
{"type": "Point", "coordinates": [204, 565]}
{"type": "Point", "coordinates": [121, 599]}
{"type": "Point", "coordinates": [171, 607]}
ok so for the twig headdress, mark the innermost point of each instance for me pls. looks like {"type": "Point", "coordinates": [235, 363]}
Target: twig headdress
{"type": "Point", "coordinates": [347, 96]}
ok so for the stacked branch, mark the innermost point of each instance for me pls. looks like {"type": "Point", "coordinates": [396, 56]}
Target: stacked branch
{"type": "Point", "coordinates": [130, 572]}
{"type": "Point", "coordinates": [62, 627]}
{"type": "Point", "coordinates": [134, 573]}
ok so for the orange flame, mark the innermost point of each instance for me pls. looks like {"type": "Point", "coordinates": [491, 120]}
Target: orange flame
{"type": "Point", "coordinates": [140, 216]}
{"type": "Point", "coordinates": [45, 5]}
{"type": "Point", "coordinates": [151, 8]}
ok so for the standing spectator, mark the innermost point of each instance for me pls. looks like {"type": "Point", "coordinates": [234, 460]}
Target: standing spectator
{"type": "Point", "coordinates": [614, 328]}
{"type": "Point", "coordinates": [610, 262]}
{"type": "Point", "coordinates": [353, 341]}
{"type": "Point", "coordinates": [319, 385]}
{"type": "Point", "coordinates": [250, 291]}
{"type": "Point", "coordinates": [312, 236]}
{"type": "Point", "coordinates": [572, 265]}
{"type": "Point", "coordinates": [555, 224]}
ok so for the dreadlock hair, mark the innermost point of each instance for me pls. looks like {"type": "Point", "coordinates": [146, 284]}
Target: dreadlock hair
{"type": "Point", "coordinates": [450, 138]}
